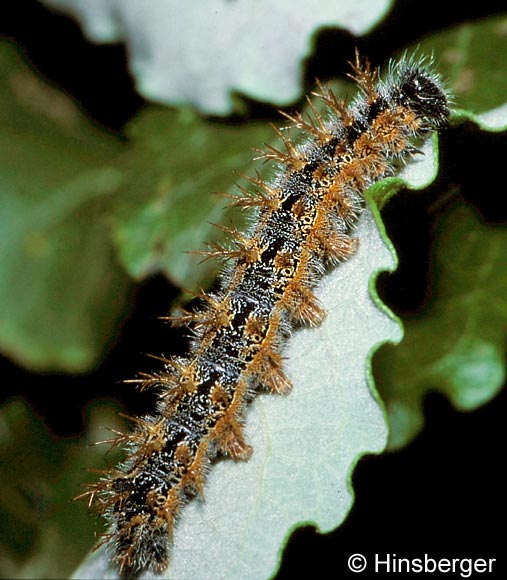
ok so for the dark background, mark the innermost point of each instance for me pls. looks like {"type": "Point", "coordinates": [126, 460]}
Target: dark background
{"type": "Point", "coordinates": [443, 494]}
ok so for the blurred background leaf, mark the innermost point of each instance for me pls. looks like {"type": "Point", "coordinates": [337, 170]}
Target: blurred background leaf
{"type": "Point", "coordinates": [61, 289]}
{"type": "Point", "coordinates": [252, 47]}
{"type": "Point", "coordinates": [456, 345]}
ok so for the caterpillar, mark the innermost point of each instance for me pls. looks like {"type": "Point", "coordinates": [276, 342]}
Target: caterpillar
{"type": "Point", "coordinates": [304, 219]}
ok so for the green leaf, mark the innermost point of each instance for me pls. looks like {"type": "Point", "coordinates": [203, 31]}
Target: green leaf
{"type": "Point", "coordinates": [457, 345]}
{"type": "Point", "coordinates": [61, 290]}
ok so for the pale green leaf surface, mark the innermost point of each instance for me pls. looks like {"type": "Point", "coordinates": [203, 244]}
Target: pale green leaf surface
{"type": "Point", "coordinates": [61, 290]}
{"type": "Point", "coordinates": [305, 444]}
{"type": "Point", "coordinates": [198, 54]}
{"type": "Point", "coordinates": [416, 175]}
{"type": "Point", "coordinates": [492, 120]}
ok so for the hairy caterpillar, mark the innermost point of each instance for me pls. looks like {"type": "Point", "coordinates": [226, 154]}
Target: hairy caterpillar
{"type": "Point", "coordinates": [304, 220]}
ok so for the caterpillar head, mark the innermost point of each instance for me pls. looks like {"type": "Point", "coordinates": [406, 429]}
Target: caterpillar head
{"type": "Point", "coordinates": [421, 90]}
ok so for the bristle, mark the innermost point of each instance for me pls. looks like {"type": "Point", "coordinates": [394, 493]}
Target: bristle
{"type": "Point", "coordinates": [365, 77]}
{"type": "Point", "coordinates": [292, 152]}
